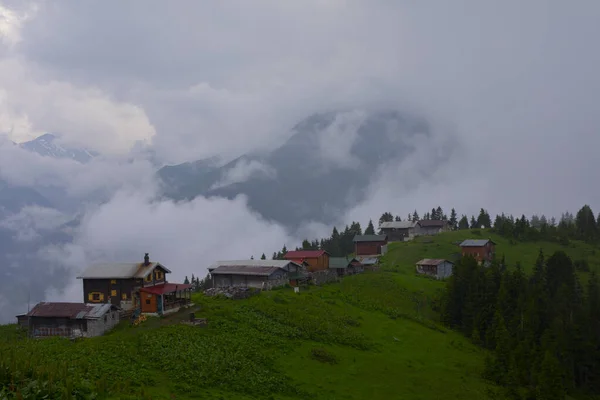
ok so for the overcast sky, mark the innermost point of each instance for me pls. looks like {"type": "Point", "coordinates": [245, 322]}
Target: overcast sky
{"type": "Point", "coordinates": [516, 81]}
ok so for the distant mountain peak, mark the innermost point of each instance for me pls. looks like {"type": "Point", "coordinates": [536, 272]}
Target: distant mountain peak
{"type": "Point", "coordinates": [47, 145]}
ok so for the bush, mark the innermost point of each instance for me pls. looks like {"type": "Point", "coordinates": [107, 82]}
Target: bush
{"type": "Point", "coordinates": [322, 355]}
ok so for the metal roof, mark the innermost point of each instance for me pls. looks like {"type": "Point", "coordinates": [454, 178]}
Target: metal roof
{"type": "Point", "coordinates": [433, 222]}
{"type": "Point", "coordinates": [433, 261]}
{"type": "Point", "coordinates": [165, 288]}
{"type": "Point", "coordinates": [397, 225]}
{"type": "Point", "coordinates": [70, 310]}
{"type": "Point", "coordinates": [256, 263]}
{"type": "Point", "coordinates": [370, 238]}
{"type": "Point", "coordinates": [368, 260]}
{"type": "Point", "coordinates": [120, 270]}
{"type": "Point", "coordinates": [475, 242]}
{"type": "Point", "coordinates": [300, 254]}
{"type": "Point", "coordinates": [245, 270]}
{"type": "Point", "coordinates": [339, 262]}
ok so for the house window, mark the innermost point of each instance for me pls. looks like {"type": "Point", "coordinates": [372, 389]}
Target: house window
{"type": "Point", "coordinates": [113, 293]}
{"type": "Point", "coordinates": [95, 297]}
{"type": "Point", "coordinates": [124, 296]}
{"type": "Point", "coordinates": [148, 301]}
{"type": "Point", "coordinates": [148, 278]}
{"type": "Point", "coordinates": [113, 281]}
{"type": "Point", "coordinates": [158, 275]}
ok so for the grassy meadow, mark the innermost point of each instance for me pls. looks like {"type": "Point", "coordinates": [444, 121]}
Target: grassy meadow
{"type": "Point", "coordinates": [370, 336]}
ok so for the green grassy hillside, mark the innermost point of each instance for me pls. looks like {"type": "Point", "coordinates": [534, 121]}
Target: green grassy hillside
{"type": "Point", "coordinates": [371, 336]}
{"type": "Point", "coordinates": [402, 256]}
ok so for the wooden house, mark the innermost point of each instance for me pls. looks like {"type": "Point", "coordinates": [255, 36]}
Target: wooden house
{"type": "Point", "coordinates": [69, 320]}
{"type": "Point", "coordinates": [317, 260]}
{"type": "Point", "coordinates": [344, 265]}
{"type": "Point", "coordinates": [121, 284]}
{"type": "Point", "coordinates": [432, 227]}
{"type": "Point", "coordinates": [435, 267]}
{"type": "Point", "coordinates": [398, 231]}
{"type": "Point", "coordinates": [296, 272]}
{"type": "Point", "coordinates": [483, 250]}
{"type": "Point", "coordinates": [249, 276]}
{"type": "Point", "coordinates": [369, 245]}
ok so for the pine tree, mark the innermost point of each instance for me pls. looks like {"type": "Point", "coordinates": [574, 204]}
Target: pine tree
{"type": "Point", "coordinates": [186, 281]}
{"type": "Point", "coordinates": [274, 257]}
{"type": "Point", "coordinates": [463, 223]}
{"type": "Point", "coordinates": [453, 220]}
{"type": "Point", "coordinates": [473, 223]}
{"type": "Point", "coordinates": [439, 213]}
{"type": "Point", "coordinates": [370, 228]}
{"type": "Point", "coordinates": [550, 385]}
{"type": "Point", "coordinates": [415, 216]}
{"type": "Point", "coordinates": [397, 218]}
{"type": "Point", "coordinates": [386, 217]}
{"type": "Point", "coordinates": [263, 257]}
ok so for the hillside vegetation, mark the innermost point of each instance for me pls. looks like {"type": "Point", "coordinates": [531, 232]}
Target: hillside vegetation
{"type": "Point", "coordinates": [371, 336]}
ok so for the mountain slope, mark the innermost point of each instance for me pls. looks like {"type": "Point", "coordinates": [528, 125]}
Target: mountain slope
{"type": "Point", "coordinates": [349, 340]}
{"type": "Point", "coordinates": [48, 145]}
{"type": "Point", "coordinates": [324, 168]}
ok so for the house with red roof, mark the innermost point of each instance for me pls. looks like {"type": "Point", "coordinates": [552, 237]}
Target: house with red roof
{"type": "Point", "coordinates": [317, 260]}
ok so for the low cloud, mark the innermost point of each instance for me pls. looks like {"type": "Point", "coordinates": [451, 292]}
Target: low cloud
{"type": "Point", "coordinates": [186, 236]}
{"type": "Point", "coordinates": [31, 220]}
{"type": "Point", "coordinates": [243, 170]}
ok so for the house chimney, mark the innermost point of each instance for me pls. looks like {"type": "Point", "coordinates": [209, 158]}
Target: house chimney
{"type": "Point", "coordinates": [146, 259]}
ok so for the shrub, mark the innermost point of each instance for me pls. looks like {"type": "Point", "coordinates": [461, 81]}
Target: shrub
{"type": "Point", "coordinates": [322, 355]}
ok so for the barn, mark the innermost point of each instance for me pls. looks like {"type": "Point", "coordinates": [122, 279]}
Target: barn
{"type": "Point", "coordinates": [69, 320]}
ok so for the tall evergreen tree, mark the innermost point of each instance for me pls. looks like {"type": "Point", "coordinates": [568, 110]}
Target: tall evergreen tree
{"type": "Point", "coordinates": [263, 257]}
{"type": "Point", "coordinates": [370, 228]}
{"type": "Point", "coordinates": [453, 219]}
{"type": "Point", "coordinates": [586, 224]}
{"type": "Point", "coordinates": [186, 281]}
{"type": "Point", "coordinates": [463, 223]}
{"type": "Point", "coordinates": [484, 219]}
{"type": "Point", "coordinates": [550, 386]}
{"type": "Point", "coordinates": [415, 216]}
{"type": "Point", "coordinates": [397, 218]}
{"type": "Point", "coordinates": [386, 217]}
{"type": "Point", "coordinates": [439, 213]}
{"type": "Point", "coordinates": [473, 223]}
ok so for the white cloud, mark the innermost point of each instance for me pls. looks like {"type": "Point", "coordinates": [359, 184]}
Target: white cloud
{"type": "Point", "coordinates": [187, 237]}
{"type": "Point", "coordinates": [336, 141]}
{"type": "Point", "coordinates": [31, 220]}
{"type": "Point", "coordinates": [243, 170]}
{"type": "Point", "coordinates": [83, 115]}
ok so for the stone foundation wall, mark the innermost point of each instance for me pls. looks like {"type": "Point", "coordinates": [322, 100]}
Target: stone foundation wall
{"type": "Point", "coordinates": [325, 276]}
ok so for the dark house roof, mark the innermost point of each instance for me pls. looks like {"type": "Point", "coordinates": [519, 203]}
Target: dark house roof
{"type": "Point", "coordinates": [398, 225]}
{"type": "Point", "coordinates": [370, 238]}
{"type": "Point", "coordinates": [120, 270]}
{"type": "Point", "coordinates": [433, 261]}
{"type": "Point", "coordinates": [245, 270]}
{"type": "Point", "coordinates": [425, 223]}
{"type": "Point", "coordinates": [475, 242]}
{"type": "Point", "coordinates": [339, 262]}
{"type": "Point", "coordinates": [70, 310]}
{"type": "Point", "coordinates": [165, 288]}
{"type": "Point", "coordinates": [302, 254]}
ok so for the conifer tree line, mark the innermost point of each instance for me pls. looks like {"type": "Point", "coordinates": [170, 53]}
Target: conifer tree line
{"type": "Point", "coordinates": [583, 226]}
{"type": "Point", "coordinates": [543, 330]}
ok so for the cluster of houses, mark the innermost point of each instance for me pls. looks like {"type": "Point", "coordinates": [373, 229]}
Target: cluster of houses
{"type": "Point", "coordinates": [117, 290]}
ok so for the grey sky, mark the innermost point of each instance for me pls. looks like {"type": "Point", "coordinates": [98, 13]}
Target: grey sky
{"type": "Point", "coordinates": [515, 82]}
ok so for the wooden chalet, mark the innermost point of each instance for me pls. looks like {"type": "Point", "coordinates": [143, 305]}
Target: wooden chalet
{"type": "Point", "coordinates": [317, 260]}
{"type": "Point", "coordinates": [398, 231]}
{"type": "Point", "coordinates": [70, 320]}
{"type": "Point", "coordinates": [345, 265]}
{"type": "Point", "coordinates": [483, 250]}
{"type": "Point", "coordinates": [127, 285]}
{"type": "Point", "coordinates": [435, 267]}
{"type": "Point", "coordinates": [257, 273]}
{"type": "Point", "coordinates": [369, 245]}
{"type": "Point", "coordinates": [433, 226]}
